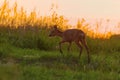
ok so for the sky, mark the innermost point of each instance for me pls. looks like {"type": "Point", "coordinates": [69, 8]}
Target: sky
{"type": "Point", "coordinates": [75, 8]}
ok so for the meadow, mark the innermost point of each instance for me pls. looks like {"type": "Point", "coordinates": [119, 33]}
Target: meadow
{"type": "Point", "coordinates": [28, 53]}
{"type": "Point", "coordinates": [34, 56]}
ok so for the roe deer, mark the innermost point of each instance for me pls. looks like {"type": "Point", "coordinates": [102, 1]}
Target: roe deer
{"type": "Point", "coordinates": [71, 35]}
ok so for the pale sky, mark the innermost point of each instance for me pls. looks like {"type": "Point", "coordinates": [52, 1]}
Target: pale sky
{"type": "Point", "coordinates": [75, 8]}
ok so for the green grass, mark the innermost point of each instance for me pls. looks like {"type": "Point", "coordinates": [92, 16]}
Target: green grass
{"type": "Point", "coordinates": [34, 64]}
{"type": "Point", "coordinates": [35, 57]}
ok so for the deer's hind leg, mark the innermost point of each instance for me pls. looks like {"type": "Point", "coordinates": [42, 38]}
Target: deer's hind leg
{"type": "Point", "coordinates": [80, 47]}
{"type": "Point", "coordinates": [83, 41]}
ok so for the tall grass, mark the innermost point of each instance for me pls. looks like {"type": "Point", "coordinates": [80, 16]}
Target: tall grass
{"type": "Point", "coordinates": [18, 18]}
{"type": "Point", "coordinates": [14, 18]}
{"type": "Point", "coordinates": [29, 31]}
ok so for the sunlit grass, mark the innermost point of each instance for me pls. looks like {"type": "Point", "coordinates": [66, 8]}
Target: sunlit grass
{"type": "Point", "coordinates": [12, 17]}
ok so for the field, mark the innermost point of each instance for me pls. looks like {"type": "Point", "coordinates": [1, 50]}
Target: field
{"type": "Point", "coordinates": [34, 56]}
{"type": "Point", "coordinates": [28, 53]}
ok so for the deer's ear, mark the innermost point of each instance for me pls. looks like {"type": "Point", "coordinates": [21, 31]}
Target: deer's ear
{"type": "Point", "coordinates": [55, 27]}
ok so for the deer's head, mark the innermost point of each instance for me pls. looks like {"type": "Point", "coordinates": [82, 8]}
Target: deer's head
{"type": "Point", "coordinates": [54, 31]}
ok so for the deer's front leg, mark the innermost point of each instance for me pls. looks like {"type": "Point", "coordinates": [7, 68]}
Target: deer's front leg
{"type": "Point", "coordinates": [69, 46]}
{"type": "Point", "coordinates": [60, 45]}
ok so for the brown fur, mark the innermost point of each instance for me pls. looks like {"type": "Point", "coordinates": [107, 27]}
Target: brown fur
{"type": "Point", "coordinates": [71, 35]}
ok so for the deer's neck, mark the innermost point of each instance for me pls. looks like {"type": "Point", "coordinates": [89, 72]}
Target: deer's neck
{"type": "Point", "coordinates": [60, 33]}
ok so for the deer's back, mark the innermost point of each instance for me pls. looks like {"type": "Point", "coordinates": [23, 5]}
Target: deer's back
{"type": "Point", "coordinates": [73, 34]}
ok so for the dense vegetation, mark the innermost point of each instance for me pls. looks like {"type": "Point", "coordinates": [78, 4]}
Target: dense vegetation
{"type": "Point", "coordinates": [31, 55]}
{"type": "Point", "coordinates": [27, 53]}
